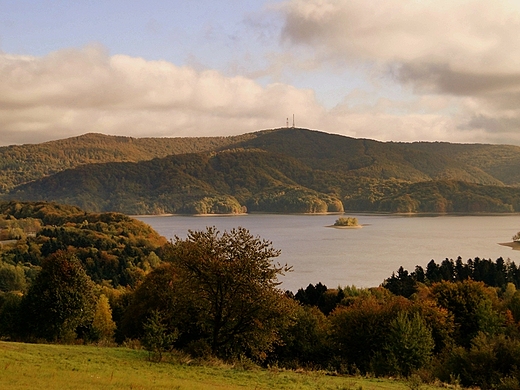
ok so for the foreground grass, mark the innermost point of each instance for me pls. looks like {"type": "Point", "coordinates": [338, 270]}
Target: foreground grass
{"type": "Point", "coordinates": [30, 366]}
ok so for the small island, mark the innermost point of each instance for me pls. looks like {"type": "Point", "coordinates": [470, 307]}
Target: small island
{"type": "Point", "coordinates": [347, 223]}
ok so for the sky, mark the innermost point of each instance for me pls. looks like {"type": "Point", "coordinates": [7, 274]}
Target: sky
{"type": "Point", "coordinates": [389, 70]}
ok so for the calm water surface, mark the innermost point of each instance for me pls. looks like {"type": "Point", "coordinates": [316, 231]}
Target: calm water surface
{"type": "Point", "coordinates": [362, 257]}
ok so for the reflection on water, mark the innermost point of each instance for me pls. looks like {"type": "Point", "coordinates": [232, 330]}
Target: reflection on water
{"type": "Point", "coordinates": [362, 257]}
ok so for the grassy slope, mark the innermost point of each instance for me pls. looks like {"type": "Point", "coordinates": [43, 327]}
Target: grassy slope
{"type": "Point", "coordinates": [29, 366]}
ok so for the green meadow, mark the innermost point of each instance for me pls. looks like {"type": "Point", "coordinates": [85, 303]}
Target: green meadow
{"type": "Point", "coordinates": [44, 366]}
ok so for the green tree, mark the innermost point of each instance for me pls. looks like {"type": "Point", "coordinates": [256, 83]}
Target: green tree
{"type": "Point", "coordinates": [305, 341]}
{"type": "Point", "coordinates": [409, 344]}
{"type": "Point", "coordinates": [9, 315]}
{"type": "Point", "coordinates": [491, 362]}
{"type": "Point", "coordinates": [231, 285]}
{"type": "Point", "coordinates": [471, 305]}
{"type": "Point", "coordinates": [157, 337]}
{"type": "Point", "coordinates": [60, 301]}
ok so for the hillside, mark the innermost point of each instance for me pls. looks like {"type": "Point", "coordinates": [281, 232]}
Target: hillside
{"type": "Point", "coordinates": [114, 249]}
{"type": "Point", "coordinates": [23, 163]}
{"type": "Point", "coordinates": [282, 170]}
{"type": "Point", "coordinates": [254, 180]}
{"type": "Point", "coordinates": [222, 182]}
{"type": "Point", "coordinates": [420, 161]}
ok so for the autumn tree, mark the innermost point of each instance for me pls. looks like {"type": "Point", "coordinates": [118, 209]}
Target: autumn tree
{"type": "Point", "coordinates": [471, 304]}
{"type": "Point", "coordinates": [160, 292]}
{"type": "Point", "coordinates": [360, 331]}
{"type": "Point", "coordinates": [230, 282]}
{"type": "Point", "coordinates": [103, 325]}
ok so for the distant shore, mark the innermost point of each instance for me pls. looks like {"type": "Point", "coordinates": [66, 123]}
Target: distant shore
{"type": "Point", "coordinates": [379, 213]}
{"type": "Point", "coordinates": [230, 214]}
{"type": "Point", "coordinates": [218, 215]}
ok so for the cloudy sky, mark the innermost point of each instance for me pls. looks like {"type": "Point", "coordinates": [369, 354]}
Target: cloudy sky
{"type": "Point", "coordinates": [391, 70]}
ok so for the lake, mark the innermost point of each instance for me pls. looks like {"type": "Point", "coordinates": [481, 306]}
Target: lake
{"type": "Point", "coordinates": [361, 257]}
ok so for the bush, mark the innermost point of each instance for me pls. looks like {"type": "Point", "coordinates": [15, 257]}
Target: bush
{"type": "Point", "coordinates": [490, 362]}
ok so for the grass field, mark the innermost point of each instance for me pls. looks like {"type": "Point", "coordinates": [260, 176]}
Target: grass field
{"type": "Point", "coordinates": [41, 366]}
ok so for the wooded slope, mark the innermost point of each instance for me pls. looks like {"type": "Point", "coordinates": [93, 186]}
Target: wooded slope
{"type": "Point", "coordinates": [22, 163]}
{"type": "Point", "coordinates": [282, 170]}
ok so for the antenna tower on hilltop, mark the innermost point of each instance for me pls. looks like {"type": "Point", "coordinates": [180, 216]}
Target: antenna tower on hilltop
{"type": "Point", "coordinates": [293, 121]}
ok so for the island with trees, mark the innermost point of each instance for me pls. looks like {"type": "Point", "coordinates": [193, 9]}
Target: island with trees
{"type": "Point", "coordinates": [347, 223]}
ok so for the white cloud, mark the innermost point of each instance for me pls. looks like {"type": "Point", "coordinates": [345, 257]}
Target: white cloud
{"type": "Point", "coordinates": [467, 50]}
{"type": "Point", "coordinates": [433, 70]}
{"type": "Point", "coordinates": [70, 92]}
{"type": "Point", "coordinates": [467, 34]}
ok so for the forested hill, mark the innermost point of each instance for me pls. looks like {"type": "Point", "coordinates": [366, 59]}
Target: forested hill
{"type": "Point", "coordinates": [418, 161]}
{"type": "Point", "coordinates": [281, 170]}
{"type": "Point", "coordinates": [23, 163]}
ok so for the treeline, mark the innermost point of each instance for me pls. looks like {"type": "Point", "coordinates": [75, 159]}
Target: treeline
{"type": "Point", "coordinates": [460, 332]}
{"type": "Point", "coordinates": [497, 273]}
{"type": "Point", "coordinates": [105, 278]}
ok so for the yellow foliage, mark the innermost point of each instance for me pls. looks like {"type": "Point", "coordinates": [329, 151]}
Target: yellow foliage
{"type": "Point", "coordinates": [103, 322]}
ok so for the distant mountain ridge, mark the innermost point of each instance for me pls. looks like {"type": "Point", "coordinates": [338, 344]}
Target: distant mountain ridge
{"type": "Point", "coordinates": [279, 170]}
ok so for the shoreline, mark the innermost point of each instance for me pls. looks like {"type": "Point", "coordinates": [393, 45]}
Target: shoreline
{"type": "Point", "coordinates": [345, 227]}
{"type": "Point", "coordinates": [218, 215]}
{"type": "Point", "coordinates": [513, 245]}
{"type": "Point", "coordinates": [420, 214]}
